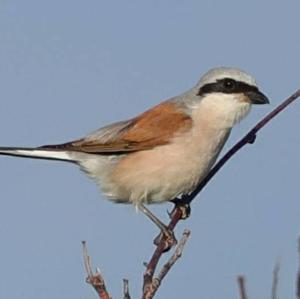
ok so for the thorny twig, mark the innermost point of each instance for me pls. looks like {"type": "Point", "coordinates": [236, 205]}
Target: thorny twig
{"type": "Point", "coordinates": [96, 280]}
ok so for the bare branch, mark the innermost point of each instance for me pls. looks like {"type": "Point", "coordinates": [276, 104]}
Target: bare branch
{"type": "Point", "coordinates": [96, 280]}
{"type": "Point", "coordinates": [126, 289]}
{"type": "Point", "coordinates": [151, 288]}
{"type": "Point", "coordinates": [160, 249]}
{"type": "Point", "coordinates": [242, 288]}
{"type": "Point", "coordinates": [275, 280]}
{"type": "Point", "coordinates": [173, 259]}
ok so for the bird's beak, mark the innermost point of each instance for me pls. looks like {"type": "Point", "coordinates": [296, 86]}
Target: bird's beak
{"type": "Point", "coordinates": [257, 97]}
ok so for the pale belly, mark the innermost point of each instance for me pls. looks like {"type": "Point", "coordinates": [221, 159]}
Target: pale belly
{"type": "Point", "coordinates": [163, 173]}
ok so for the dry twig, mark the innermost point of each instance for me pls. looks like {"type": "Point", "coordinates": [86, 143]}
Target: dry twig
{"type": "Point", "coordinates": [160, 249]}
{"type": "Point", "coordinates": [150, 289]}
{"type": "Point", "coordinates": [275, 280]}
{"type": "Point", "coordinates": [96, 280]}
{"type": "Point", "coordinates": [242, 287]}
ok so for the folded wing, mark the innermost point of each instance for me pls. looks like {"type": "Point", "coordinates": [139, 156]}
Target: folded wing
{"type": "Point", "coordinates": [152, 128]}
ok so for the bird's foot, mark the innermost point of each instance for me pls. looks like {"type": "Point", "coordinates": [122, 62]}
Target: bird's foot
{"type": "Point", "coordinates": [166, 234]}
{"type": "Point", "coordinates": [166, 239]}
{"type": "Point", "coordinates": [184, 208]}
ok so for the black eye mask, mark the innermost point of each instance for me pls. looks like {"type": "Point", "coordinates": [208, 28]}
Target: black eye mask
{"type": "Point", "coordinates": [227, 85]}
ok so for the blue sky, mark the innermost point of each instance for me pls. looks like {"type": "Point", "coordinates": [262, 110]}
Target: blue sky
{"type": "Point", "coordinates": [69, 67]}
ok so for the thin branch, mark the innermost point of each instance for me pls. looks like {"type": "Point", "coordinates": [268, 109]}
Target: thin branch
{"type": "Point", "coordinates": [126, 289]}
{"type": "Point", "coordinates": [242, 287]}
{"type": "Point", "coordinates": [96, 280]}
{"type": "Point", "coordinates": [150, 289]}
{"type": "Point", "coordinates": [173, 259]}
{"type": "Point", "coordinates": [275, 280]}
{"type": "Point", "coordinates": [160, 249]}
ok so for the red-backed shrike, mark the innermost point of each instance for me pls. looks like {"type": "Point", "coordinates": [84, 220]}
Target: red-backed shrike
{"type": "Point", "coordinates": [167, 150]}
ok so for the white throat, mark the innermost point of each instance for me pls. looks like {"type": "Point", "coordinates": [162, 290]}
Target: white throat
{"type": "Point", "coordinates": [224, 109]}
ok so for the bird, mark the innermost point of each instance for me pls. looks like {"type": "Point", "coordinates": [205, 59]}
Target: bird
{"type": "Point", "coordinates": [166, 151]}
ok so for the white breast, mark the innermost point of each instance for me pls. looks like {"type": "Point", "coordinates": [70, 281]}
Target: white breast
{"type": "Point", "coordinates": [167, 171]}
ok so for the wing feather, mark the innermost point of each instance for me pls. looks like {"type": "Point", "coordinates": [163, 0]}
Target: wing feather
{"type": "Point", "coordinates": [152, 128]}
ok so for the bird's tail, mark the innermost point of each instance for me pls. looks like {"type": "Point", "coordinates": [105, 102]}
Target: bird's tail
{"type": "Point", "coordinates": [37, 153]}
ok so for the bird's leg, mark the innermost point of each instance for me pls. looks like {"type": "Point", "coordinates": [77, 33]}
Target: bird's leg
{"type": "Point", "coordinates": [166, 234]}
{"type": "Point", "coordinates": [184, 208]}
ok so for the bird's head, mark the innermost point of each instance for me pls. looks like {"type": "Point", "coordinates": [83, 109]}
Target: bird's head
{"type": "Point", "coordinates": [229, 92]}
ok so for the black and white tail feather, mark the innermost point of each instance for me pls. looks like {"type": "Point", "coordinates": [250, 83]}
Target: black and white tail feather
{"type": "Point", "coordinates": [60, 152]}
{"type": "Point", "coordinates": [38, 153]}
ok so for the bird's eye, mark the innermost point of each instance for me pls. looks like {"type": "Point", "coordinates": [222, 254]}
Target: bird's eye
{"type": "Point", "coordinates": [229, 84]}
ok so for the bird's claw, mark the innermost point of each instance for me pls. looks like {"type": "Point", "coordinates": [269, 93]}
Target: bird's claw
{"type": "Point", "coordinates": [166, 239]}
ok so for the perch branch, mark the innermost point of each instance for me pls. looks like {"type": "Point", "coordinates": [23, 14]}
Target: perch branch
{"type": "Point", "coordinates": [96, 280]}
{"type": "Point", "coordinates": [150, 289]}
{"type": "Point", "coordinates": [160, 249]}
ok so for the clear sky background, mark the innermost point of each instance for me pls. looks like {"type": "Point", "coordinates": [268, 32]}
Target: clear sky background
{"type": "Point", "coordinates": [69, 67]}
